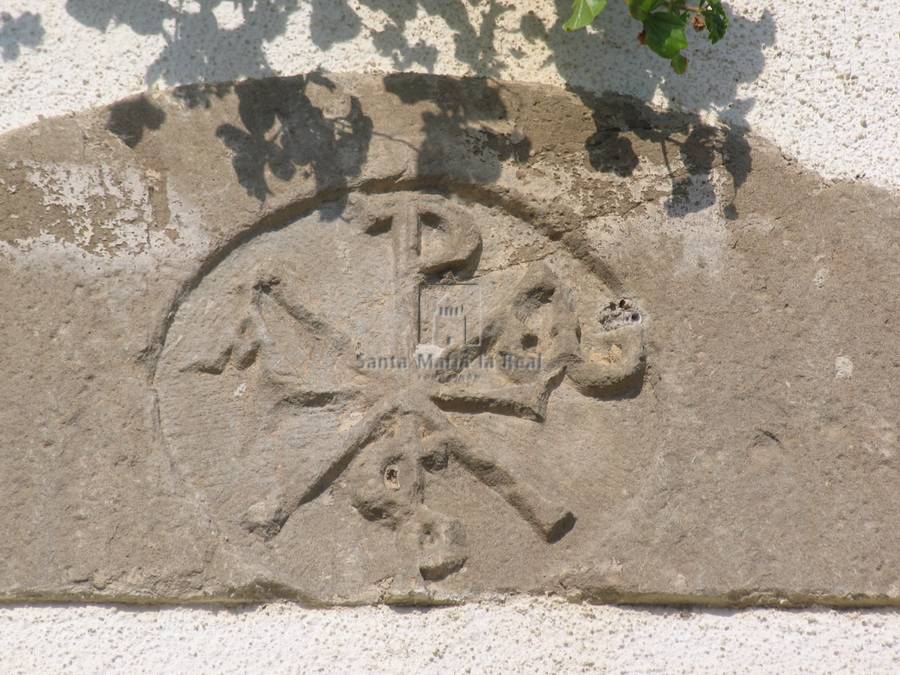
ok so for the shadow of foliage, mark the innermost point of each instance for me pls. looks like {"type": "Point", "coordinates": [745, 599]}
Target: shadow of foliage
{"type": "Point", "coordinates": [332, 22]}
{"type": "Point", "coordinates": [286, 131]}
{"type": "Point", "coordinates": [451, 133]}
{"type": "Point", "coordinates": [710, 84]}
{"type": "Point", "coordinates": [129, 118]}
{"type": "Point", "coordinates": [473, 45]}
{"type": "Point", "coordinates": [699, 146]}
{"type": "Point", "coordinates": [197, 46]}
{"type": "Point", "coordinates": [16, 32]}
{"type": "Point", "coordinates": [200, 46]}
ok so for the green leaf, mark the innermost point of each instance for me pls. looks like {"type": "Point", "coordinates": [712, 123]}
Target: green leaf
{"type": "Point", "coordinates": [640, 9]}
{"type": "Point", "coordinates": [716, 20]}
{"type": "Point", "coordinates": [665, 33]}
{"type": "Point", "coordinates": [679, 64]}
{"type": "Point", "coordinates": [583, 13]}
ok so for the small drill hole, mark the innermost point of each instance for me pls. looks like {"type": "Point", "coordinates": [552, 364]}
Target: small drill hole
{"type": "Point", "coordinates": [392, 477]}
{"type": "Point", "coordinates": [529, 341]}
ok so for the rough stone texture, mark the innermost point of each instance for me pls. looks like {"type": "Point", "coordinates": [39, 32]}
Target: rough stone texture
{"type": "Point", "coordinates": [521, 635]}
{"type": "Point", "coordinates": [818, 77]}
{"type": "Point", "coordinates": [199, 289]}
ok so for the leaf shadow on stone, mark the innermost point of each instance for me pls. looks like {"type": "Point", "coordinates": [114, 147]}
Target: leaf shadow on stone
{"type": "Point", "coordinates": [623, 122]}
{"type": "Point", "coordinates": [710, 84]}
{"type": "Point", "coordinates": [129, 118]}
{"type": "Point", "coordinates": [197, 40]}
{"type": "Point", "coordinates": [15, 32]}
{"type": "Point", "coordinates": [462, 126]}
{"type": "Point", "coordinates": [284, 132]}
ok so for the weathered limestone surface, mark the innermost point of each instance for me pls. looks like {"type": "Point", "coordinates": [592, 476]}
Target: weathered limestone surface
{"type": "Point", "coordinates": [413, 339]}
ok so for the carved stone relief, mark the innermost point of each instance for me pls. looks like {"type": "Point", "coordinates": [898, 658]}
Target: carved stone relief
{"type": "Point", "coordinates": [334, 350]}
{"type": "Point", "coordinates": [407, 338]}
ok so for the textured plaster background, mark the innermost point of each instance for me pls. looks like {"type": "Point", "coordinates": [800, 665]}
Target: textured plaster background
{"type": "Point", "coordinates": [818, 78]}
{"type": "Point", "coordinates": [519, 635]}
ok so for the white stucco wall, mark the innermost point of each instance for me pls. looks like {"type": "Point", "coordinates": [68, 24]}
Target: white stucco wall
{"type": "Point", "coordinates": [818, 78]}
{"type": "Point", "coordinates": [533, 636]}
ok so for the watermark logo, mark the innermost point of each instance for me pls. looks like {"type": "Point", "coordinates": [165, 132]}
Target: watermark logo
{"type": "Point", "coordinates": [450, 315]}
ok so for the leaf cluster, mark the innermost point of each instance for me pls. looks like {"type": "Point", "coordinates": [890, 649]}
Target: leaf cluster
{"type": "Point", "coordinates": [665, 23]}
